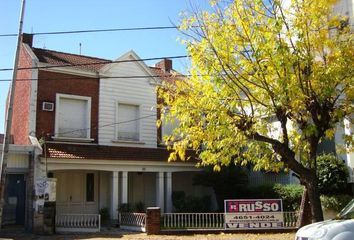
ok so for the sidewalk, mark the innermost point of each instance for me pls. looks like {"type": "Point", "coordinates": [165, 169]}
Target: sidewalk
{"type": "Point", "coordinates": [114, 233]}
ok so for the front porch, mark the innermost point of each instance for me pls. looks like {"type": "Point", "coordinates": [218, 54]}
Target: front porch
{"type": "Point", "coordinates": [91, 191]}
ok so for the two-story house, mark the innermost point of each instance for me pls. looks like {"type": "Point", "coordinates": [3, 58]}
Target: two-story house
{"type": "Point", "coordinates": [96, 121]}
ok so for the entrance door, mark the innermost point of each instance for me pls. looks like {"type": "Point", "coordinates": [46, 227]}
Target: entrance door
{"type": "Point", "coordinates": [15, 196]}
{"type": "Point", "coordinates": [73, 195]}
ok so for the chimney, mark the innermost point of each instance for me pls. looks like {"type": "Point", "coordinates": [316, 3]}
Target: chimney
{"type": "Point", "coordinates": [27, 38]}
{"type": "Point", "coordinates": [165, 64]}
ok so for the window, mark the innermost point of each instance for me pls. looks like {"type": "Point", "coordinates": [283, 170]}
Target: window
{"type": "Point", "coordinates": [90, 187]}
{"type": "Point", "coordinates": [72, 116]}
{"type": "Point", "coordinates": [128, 122]}
{"type": "Point", "coordinates": [167, 127]}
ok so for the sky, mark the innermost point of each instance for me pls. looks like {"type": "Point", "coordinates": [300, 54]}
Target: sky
{"type": "Point", "coordinates": [66, 15]}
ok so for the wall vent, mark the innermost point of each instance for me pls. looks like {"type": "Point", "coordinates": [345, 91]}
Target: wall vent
{"type": "Point", "coordinates": [48, 106]}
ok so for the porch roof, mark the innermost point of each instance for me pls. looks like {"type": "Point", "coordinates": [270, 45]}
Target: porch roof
{"type": "Point", "coordinates": [100, 152]}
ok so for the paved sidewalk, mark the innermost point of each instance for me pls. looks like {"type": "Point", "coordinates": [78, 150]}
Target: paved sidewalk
{"type": "Point", "coordinates": [114, 233]}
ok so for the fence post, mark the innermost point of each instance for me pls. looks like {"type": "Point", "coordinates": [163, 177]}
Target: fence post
{"type": "Point", "coordinates": [153, 217]}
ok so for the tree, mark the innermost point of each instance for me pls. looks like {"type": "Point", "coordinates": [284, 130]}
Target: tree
{"type": "Point", "coordinates": [268, 82]}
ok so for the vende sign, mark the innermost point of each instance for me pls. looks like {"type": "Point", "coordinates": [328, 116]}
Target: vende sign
{"type": "Point", "coordinates": [253, 213]}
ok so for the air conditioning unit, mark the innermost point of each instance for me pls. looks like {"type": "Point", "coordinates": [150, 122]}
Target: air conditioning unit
{"type": "Point", "coordinates": [48, 106]}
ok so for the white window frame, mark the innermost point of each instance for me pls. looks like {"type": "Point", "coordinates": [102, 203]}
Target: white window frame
{"type": "Point", "coordinates": [117, 140]}
{"type": "Point", "coordinates": [88, 120]}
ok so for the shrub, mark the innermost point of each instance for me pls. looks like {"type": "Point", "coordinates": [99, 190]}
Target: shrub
{"type": "Point", "coordinates": [230, 182]}
{"type": "Point", "coordinates": [332, 175]}
{"type": "Point", "coordinates": [198, 204]}
{"type": "Point", "coordinates": [139, 207]}
{"type": "Point", "coordinates": [260, 192]}
{"type": "Point", "coordinates": [125, 207]}
{"type": "Point", "coordinates": [183, 203]}
{"type": "Point", "coordinates": [335, 202]}
{"type": "Point", "coordinates": [291, 195]}
{"type": "Point", "coordinates": [105, 216]}
{"type": "Point", "coordinates": [178, 201]}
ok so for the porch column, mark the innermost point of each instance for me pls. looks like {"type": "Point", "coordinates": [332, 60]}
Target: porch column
{"type": "Point", "coordinates": [160, 190]}
{"type": "Point", "coordinates": [114, 195]}
{"type": "Point", "coordinates": [124, 187]}
{"type": "Point", "coordinates": [169, 192]}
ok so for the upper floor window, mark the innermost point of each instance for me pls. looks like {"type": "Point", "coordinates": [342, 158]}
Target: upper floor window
{"type": "Point", "coordinates": [168, 127]}
{"type": "Point", "coordinates": [72, 116]}
{"type": "Point", "coordinates": [128, 122]}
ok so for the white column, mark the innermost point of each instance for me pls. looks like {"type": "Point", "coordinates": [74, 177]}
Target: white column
{"type": "Point", "coordinates": [168, 192]}
{"type": "Point", "coordinates": [124, 187]}
{"type": "Point", "coordinates": [160, 191]}
{"type": "Point", "coordinates": [114, 195]}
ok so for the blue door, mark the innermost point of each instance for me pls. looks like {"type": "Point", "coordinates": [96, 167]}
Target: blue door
{"type": "Point", "coordinates": [15, 197]}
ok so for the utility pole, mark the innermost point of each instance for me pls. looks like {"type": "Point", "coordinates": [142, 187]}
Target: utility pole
{"type": "Point", "coordinates": [7, 137]}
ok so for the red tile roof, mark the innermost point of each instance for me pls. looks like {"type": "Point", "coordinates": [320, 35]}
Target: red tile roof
{"type": "Point", "coordinates": [61, 58]}
{"type": "Point", "coordinates": [100, 152]}
{"type": "Point", "coordinates": [89, 63]}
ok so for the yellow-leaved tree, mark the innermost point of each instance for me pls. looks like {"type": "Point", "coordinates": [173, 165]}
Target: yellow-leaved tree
{"type": "Point", "coordinates": [269, 80]}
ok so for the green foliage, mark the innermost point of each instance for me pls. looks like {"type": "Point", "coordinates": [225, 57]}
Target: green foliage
{"type": "Point", "coordinates": [263, 191]}
{"type": "Point", "coordinates": [291, 195]}
{"type": "Point", "coordinates": [230, 182]}
{"type": "Point", "coordinates": [335, 202]}
{"type": "Point", "coordinates": [183, 203]}
{"type": "Point", "coordinates": [139, 207]}
{"type": "Point", "coordinates": [178, 201]}
{"type": "Point", "coordinates": [105, 216]}
{"type": "Point", "coordinates": [332, 174]}
{"type": "Point", "coordinates": [125, 207]}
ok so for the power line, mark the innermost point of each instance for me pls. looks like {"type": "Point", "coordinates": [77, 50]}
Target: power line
{"type": "Point", "coordinates": [101, 77]}
{"type": "Point", "coordinates": [96, 30]}
{"type": "Point", "coordinates": [96, 63]}
{"type": "Point", "coordinates": [106, 125]}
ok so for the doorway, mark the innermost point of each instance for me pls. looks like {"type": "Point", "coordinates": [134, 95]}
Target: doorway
{"type": "Point", "coordinates": [15, 198]}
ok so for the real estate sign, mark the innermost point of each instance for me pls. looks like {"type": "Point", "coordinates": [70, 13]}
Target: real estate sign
{"type": "Point", "coordinates": [253, 213]}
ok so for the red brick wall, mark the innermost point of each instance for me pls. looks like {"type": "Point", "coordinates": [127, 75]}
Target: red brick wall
{"type": "Point", "coordinates": [51, 83]}
{"type": "Point", "coordinates": [20, 118]}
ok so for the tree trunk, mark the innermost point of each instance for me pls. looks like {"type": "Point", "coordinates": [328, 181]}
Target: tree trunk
{"type": "Point", "coordinates": [310, 209]}
{"type": "Point", "coordinates": [305, 210]}
{"type": "Point", "coordinates": [314, 199]}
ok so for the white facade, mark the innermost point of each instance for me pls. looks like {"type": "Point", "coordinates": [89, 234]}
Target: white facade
{"type": "Point", "coordinates": [138, 92]}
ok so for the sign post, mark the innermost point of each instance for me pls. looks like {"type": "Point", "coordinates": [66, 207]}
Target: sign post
{"type": "Point", "coordinates": [253, 214]}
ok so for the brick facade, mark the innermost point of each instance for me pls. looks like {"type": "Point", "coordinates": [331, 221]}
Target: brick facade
{"type": "Point", "coordinates": [20, 120]}
{"type": "Point", "coordinates": [51, 83]}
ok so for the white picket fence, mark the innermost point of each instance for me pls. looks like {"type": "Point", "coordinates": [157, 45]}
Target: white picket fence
{"type": "Point", "coordinates": [193, 221]}
{"type": "Point", "coordinates": [132, 221]}
{"type": "Point", "coordinates": [77, 223]}
{"type": "Point", "coordinates": [210, 221]}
